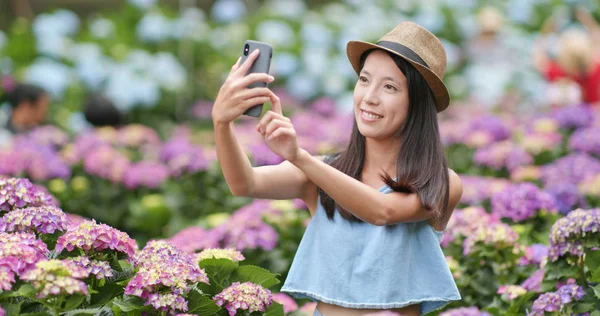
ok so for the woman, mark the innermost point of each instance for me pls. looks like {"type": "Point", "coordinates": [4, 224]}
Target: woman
{"type": "Point", "coordinates": [29, 104]}
{"type": "Point", "coordinates": [373, 241]}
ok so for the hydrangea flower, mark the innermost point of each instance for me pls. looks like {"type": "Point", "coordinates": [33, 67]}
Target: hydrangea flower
{"type": "Point", "coordinates": [19, 193]}
{"type": "Point", "coordinates": [49, 135]}
{"type": "Point", "coordinates": [145, 174]}
{"type": "Point", "coordinates": [573, 168]}
{"type": "Point", "coordinates": [1, 311]}
{"type": "Point", "coordinates": [590, 186]}
{"type": "Point", "coordinates": [162, 267]}
{"type": "Point", "coordinates": [535, 143]}
{"type": "Point", "coordinates": [464, 222]}
{"type": "Point", "coordinates": [246, 296]}
{"type": "Point", "coordinates": [478, 189]}
{"type": "Point", "coordinates": [231, 254]}
{"type": "Point", "coordinates": [194, 238]}
{"type": "Point", "coordinates": [501, 155]}
{"type": "Point", "coordinates": [247, 230]}
{"type": "Point", "coordinates": [41, 220]}
{"type": "Point", "coordinates": [497, 235]}
{"type": "Point", "coordinates": [521, 202]}
{"type": "Point", "coordinates": [567, 232]}
{"type": "Point", "coordinates": [107, 163]}
{"type": "Point", "coordinates": [574, 117]}
{"type": "Point", "coordinates": [21, 251]}
{"type": "Point", "coordinates": [181, 156]}
{"type": "Point", "coordinates": [534, 254]}
{"type": "Point", "coordinates": [101, 269]}
{"type": "Point", "coordinates": [7, 277]}
{"type": "Point", "coordinates": [92, 237]}
{"type": "Point", "coordinates": [534, 282]}
{"type": "Point", "coordinates": [510, 292]}
{"type": "Point", "coordinates": [465, 311]}
{"type": "Point", "coordinates": [494, 127]}
{"type": "Point", "coordinates": [586, 140]}
{"type": "Point", "coordinates": [555, 301]}
{"type": "Point", "coordinates": [289, 304]}
{"type": "Point", "coordinates": [567, 196]}
{"type": "Point", "coordinates": [56, 277]}
{"type": "Point", "coordinates": [136, 136]}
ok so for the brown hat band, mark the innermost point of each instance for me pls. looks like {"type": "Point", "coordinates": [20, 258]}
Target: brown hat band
{"type": "Point", "coordinates": [404, 51]}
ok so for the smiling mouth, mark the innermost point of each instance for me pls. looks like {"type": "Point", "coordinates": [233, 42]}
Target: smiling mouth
{"type": "Point", "coordinates": [370, 115]}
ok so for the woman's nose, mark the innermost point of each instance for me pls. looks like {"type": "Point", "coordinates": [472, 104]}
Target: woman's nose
{"type": "Point", "coordinates": [371, 97]}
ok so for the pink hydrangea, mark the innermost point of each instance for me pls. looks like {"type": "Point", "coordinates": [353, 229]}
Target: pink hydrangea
{"type": "Point", "coordinates": [92, 237]}
{"type": "Point", "coordinates": [289, 304]}
{"type": "Point", "coordinates": [101, 269]}
{"type": "Point", "coordinates": [245, 296]}
{"type": "Point", "coordinates": [18, 193]}
{"type": "Point", "coordinates": [56, 277]}
{"type": "Point", "coordinates": [231, 254]}
{"type": "Point", "coordinates": [41, 220]}
{"type": "Point", "coordinates": [21, 251]}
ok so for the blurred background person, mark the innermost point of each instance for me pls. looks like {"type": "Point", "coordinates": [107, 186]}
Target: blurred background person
{"type": "Point", "coordinates": [100, 111]}
{"type": "Point", "coordinates": [28, 107]}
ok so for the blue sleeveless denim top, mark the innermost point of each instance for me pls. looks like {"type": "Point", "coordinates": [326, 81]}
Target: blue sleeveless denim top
{"type": "Point", "coordinates": [360, 265]}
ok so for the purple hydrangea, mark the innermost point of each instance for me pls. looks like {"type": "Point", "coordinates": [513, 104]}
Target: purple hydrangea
{"type": "Point", "coordinates": [496, 235]}
{"type": "Point", "coordinates": [202, 109]}
{"type": "Point", "coordinates": [262, 155]}
{"type": "Point", "coordinates": [19, 193]}
{"type": "Point", "coordinates": [7, 277]}
{"type": "Point", "coordinates": [56, 277]}
{"type": "Point", "coordinates": [464, 222]}
{"type": "Point", "coordinates": [586, 140]}
{"type": "Point", "coordinates": [37, 220]}
{"type": "Point", "coordinates": [183, 157]}
{"type": "Point", "coordinates": [478, 189]}
{"type": "Point", "coordinates": [21, 251]}
{"type": "Point", "coordinates": [534, 282]}
{"type": "Point", "coordinates": [567, 196]}
{"type": "Point", "coordinates": [555, 301]}
{"type": "Point", "coordinates": [38, 162]}
{"type": "Point", "coordinates": [93, 238]}
{"type": "Point", "coordinates": [49, 135]}
{"type": "Point", "coordinates": [534, 254]}
{"type": "Point", "coordinates": [145, 174]}
{"type": "Point", "coordinates": [324, 106]}
{"type": "Point", "coordinates": [289, 304]}
{"type": "Point", "coordinates": [496, 129]}
{"type": "Point", "coordinates": [137, 136]}
{"type": "Point", "coordinates": [247, 230]}
{"type": "Point", "coordinates": [511, 292]}
{"type": "Point", "coordinates": [107, 163]}
{"type": "Point", "coordinates": [86, 143]}
{"type": "Point", "coordinates": [574, 117]}
{"type": "Point", "coordinates": [573, 168]}
{"type": "Point", "coordinates": [101, 269]}
{"type": "Point", "coordinates": [195, 238]}
{"type": "Point", "coordinates": [465, 311]}
{"type": "Point", "coordinates": [521, 202]}
{"type": "Point", "coordinates": [230, 254]}
{"type": "Point", "coordinates": [245, 296]}
{"type": "Point", "coordinates": [162, 266]}
{"type": "Point", "coordinates": [568, 233]}
{"type": "Point", "coordinates": [2, 313]}
{"type": "Point", "coordinates": [502, 155]}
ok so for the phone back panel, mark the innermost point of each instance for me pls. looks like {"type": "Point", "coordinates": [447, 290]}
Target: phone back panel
{"type": "Point", "coordinates": [262, 64]}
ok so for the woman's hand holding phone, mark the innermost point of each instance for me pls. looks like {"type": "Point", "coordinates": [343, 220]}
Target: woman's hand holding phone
{"type": "Point", "coordinates": [279, 133]}
{"type": "Point", "coordinates": [234, 96]}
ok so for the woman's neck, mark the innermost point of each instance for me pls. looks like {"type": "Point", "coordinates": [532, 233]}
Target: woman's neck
{"type": "Point", "coordinates": [381, 156]}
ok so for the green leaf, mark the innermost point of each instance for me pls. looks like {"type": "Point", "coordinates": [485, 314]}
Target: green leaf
{"type": "Point", "coordinates": [89, 311]}
{"type": "Point", "coordinates": [595, 313]}
{"type": "Point", "coordinates": [201, 305]}
{"type": "Point", "coordinates": [218, 269]}
{"type": "Point", "coordinates": [256, 275]}
{"type": "Point", "coordinates": [596, 275]}
{"type": "Point", "coordinates": [275, 309]}
{"type": "Point", "coordinates": [73, 302]}
{"type": "Point", "coordinates": [114, 263]}
{"type": "Point", "coordinates": [592, 260]}
{"type": "Point", "coordinates": [26, 290]}
{"type": "Point", "coordinates": [129, 303]}
{"type": "Point", "coordinates": [583, 307]}
{"type": "Point", "coordinates": [596, 290]}
{"type": "Point", "coordinates": [105, 294]}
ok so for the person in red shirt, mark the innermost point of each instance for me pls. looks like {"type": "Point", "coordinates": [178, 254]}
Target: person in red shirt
{"type": "Point", "coordinates": [577, 59]}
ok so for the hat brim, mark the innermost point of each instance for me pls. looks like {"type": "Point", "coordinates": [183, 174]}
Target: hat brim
{"type": "Point", "coordinates": [355, 49]}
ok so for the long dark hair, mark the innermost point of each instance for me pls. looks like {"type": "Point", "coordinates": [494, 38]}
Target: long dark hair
{"type": "Point", "coordinates": [421, 167]}
{"type": "Point", "coordinates": [23, 92]}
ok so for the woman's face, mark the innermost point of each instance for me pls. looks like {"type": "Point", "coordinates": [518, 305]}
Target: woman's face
{"type": "Point", "coordinates": [380, 97]}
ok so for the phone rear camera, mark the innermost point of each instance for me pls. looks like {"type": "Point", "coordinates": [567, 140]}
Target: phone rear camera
{"type": "Point", "coordinates": [246, 49]}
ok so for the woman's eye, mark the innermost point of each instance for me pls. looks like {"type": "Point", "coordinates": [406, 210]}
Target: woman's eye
{"type": "Point", "coordinates": [389, 86]}
{"type": "Point", "coordinates": [362, 79]}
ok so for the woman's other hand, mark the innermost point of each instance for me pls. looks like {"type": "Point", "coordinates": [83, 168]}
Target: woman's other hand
{"type": "Point", "coordinates": [278, 132]}
{"type": "Point", "coordinates": [235, 97]}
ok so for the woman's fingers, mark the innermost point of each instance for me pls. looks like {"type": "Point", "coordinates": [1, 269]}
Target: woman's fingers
{"type": "Point", "coordinates": [235, 66]}
{"type": "Point", "coordinates": [289, 131]}
{"type": "Point", "coordinates": [252, 78]}
{"type": "Point", "coordinates": [255, 92]}
{"type": "Point", "coordinates": [246, 104]}
{"type": "Point", "coordinates": [276, 123]}
{"type": "Point", "coordinates": [243, 69]}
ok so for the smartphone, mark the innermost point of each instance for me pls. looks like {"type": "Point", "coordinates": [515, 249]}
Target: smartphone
{"type": "Point", "coordinates": [262, 64]}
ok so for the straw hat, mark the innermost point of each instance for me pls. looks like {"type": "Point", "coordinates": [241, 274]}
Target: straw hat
{"type": "Point", "coordinates": [417, 46]}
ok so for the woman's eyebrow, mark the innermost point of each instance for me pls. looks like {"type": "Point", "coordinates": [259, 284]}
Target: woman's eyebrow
{"type": "Point", "coordinates": [385, 78]}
